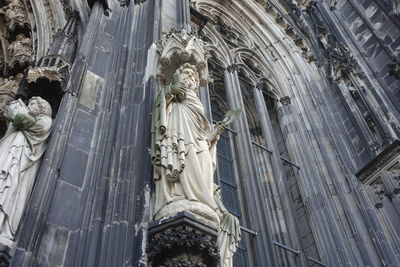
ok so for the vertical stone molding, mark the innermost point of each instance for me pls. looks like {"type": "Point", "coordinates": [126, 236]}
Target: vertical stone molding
{"type": "Point", "coordinates": [252, 184]}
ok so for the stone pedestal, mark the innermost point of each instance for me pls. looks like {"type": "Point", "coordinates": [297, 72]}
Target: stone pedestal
{"type": "Point", "coordinates": [183, 240]}
{"type": "Point", "coordinates": [4, 255]}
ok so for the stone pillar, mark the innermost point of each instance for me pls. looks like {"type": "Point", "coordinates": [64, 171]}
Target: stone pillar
{"type": "Point", "coordinates": [317, 197]}
{"type": "Point", "coordinates": [369, 141]}
{"type": "Point", "coordinates": [387, 135]}
{"type": "Point", "coordinates": [183, 240]}
{"type": "Point", "coordinates": [183, 13]}
{"type": "Point", "coordinates": [278, 173]}
{"type": "Point", "coordinates": [253, 187]}
{"type": "Point", "coordinates": [204, 96]}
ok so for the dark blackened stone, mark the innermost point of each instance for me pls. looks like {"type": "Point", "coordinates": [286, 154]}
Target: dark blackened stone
{"type": "Point", "coordinates": [4, 255]}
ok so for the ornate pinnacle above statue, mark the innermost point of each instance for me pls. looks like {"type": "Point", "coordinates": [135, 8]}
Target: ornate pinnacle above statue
{"type": "Point", "coordinates": [184, 149]}
{"type": "Point", "coordinates": [20, 151]}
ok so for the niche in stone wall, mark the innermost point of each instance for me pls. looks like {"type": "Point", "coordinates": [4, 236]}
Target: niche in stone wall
{"type": "Point", "coordinates": [49, 90]}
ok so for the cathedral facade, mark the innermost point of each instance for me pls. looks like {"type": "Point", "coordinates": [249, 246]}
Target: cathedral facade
{"type": "Point", "coordinates": [310, 167]}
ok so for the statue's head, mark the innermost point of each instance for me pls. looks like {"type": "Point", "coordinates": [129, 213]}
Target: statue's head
{"type": "Point", "coordinates": [20, 37]}
{"type": "Point", "coordinates": [38, 106]}
{"type": "Point", "coordinates": [189, 76]}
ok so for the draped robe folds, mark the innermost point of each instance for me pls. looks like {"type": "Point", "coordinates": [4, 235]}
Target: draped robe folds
{"type": "Point", "coordinates": [184, 161]}
{"type": "Point", "coordinates": [229, 235]}
{"type": "Point", "coordinates": [20, 150]}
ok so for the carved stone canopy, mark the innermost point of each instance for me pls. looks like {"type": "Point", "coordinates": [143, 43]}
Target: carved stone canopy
{"type": "Point", "coordinates": [43, 72]}
{"type": "Point", "coordinates": [178, 47]}
{"type": "Point", "coordinates": [53, 68]}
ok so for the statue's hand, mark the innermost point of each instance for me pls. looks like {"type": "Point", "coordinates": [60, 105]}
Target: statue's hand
{"type": "Point", "coordinates": [214, 136]}
{"type": "Point", "coordinates": [8, 113]}
{"type": "Point", "coordinates": [179, 90]}
{"type": "Point", "coordinates": [219, 128]}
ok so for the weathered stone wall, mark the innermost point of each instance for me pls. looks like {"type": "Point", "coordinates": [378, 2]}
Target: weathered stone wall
{"type": "Point", "coordinates": [92, 201]}
{"type": "Point", "coordinates": [91, 198]}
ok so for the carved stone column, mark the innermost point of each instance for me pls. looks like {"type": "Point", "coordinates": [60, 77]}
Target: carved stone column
{"type": "Point", "coordinates": [281, 180]}
{"type": "Point", "coordinates": [183, 13]}
{"type": "Point", "coordinates": [251, 182]}
{"type": "Point", "coordinates": [183, 240]}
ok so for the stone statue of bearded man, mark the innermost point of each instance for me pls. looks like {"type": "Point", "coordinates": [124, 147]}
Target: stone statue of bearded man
{"type": "Point", "coordinates": [183, 149]}
{"type": "Point", "coordinates": [20, 150]}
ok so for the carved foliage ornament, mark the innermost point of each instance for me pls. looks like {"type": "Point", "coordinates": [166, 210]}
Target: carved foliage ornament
{"type": "Point", "coordinates": [166, 247]}
{"type": "Point", "coordinates": [127, 2]}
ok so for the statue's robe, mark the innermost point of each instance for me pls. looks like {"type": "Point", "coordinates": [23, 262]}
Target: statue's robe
{"type": "Point", "coordinates": [20, 151]}
{"type": "Point", "coordinates": [184, 161]}
{"type": "Point", "coordinates": [229, 235]}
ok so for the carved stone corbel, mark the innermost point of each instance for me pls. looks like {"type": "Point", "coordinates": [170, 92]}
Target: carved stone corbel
{"type": "Point", "coordinates": [280, 20]}
{"type": "Point", "coordinates": [285, 100]}
{"type": "Point", "coordinates": [183, 240]}
{"type": "Point", "coordinates": [290, 31]}
{"type": "Point", "coordinates": [269, 8]}
{"type": "Point", "coordinates": [232, 68]}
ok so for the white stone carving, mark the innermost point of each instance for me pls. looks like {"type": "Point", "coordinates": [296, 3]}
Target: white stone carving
{"type": "Point", "coordinates": [20, 151]}
{"type": "Point", "coordinates": [8, 90]}
{"type": "Point", "coordinates": [183, 149]}
{"type": "Point", "coordinates": [50, 73]}
{"type": "Point", "coordinates": [229, 233]}
{"type": "Point", "coordinates": [178, 47]}
{"type": "Point", "coordinates": [21, 50]}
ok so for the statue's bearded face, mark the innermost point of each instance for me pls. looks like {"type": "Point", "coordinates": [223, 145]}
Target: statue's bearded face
{"type": "Point", "coordinates": [188, 78]}
{"type": "Point", "coordinates": [34, 108]}
{"type": "Point", "coordinates": [38, 106]}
